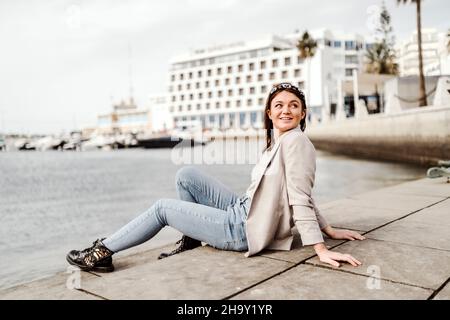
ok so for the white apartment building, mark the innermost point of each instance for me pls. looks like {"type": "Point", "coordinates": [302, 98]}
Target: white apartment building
{"type": "Point", "coordinates": [226, 86]}
{"type": "Point", "coordinates": [435, 53]}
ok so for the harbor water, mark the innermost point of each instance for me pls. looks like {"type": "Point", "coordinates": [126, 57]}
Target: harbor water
{"type": "Point", "coordinates": [52, 202]}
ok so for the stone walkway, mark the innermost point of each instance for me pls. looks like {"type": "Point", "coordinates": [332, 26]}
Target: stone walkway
{"type": "Point", "coordinates": [406, 256]}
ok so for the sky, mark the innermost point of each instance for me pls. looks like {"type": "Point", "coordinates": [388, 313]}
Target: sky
{"type": "Point", "coordinates": [64, 62]}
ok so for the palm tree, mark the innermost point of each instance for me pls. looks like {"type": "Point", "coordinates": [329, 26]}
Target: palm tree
{"type": "Point", "coordinates": [307, 46]}
{"type": "Point", "coordinates": [422, 92]}
{"type": "Point", "coordinates": [381, 54]}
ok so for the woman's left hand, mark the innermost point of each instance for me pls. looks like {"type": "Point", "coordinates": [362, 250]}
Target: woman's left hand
{"type": "Point", "coordinates": [342, 234]}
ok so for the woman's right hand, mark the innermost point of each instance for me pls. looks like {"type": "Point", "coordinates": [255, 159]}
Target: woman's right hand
{"type": "Point", "coordinates": [332, 257]}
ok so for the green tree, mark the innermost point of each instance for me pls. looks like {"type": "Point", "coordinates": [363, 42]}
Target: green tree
{"type": "Point", "coordinates": [307, 47]}
{"type": "Point", "coordinates": [381, 55]}
{"type": "Point", "coordinates": [422, 92]}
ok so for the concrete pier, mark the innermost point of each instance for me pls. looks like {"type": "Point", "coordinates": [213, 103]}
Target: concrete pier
{"type": "Point", "coordinates": [406, 256]}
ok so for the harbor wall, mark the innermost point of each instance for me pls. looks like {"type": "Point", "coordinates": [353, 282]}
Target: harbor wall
{"type": "Point", "coordinates": [419, 135]}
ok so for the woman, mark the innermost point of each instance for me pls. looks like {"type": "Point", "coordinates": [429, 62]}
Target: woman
{"type": "Point", "coordinates": [207, 211]}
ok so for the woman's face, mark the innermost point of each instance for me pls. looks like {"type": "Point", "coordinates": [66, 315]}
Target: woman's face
{"type": "Point", "coordinates": [286, 111]}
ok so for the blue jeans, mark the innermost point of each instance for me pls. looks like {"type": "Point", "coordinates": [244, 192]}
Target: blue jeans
{"type": "Point", "coordinates": [206, 210]}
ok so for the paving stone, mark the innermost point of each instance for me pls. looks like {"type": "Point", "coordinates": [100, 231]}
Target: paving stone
{"type": "Point", "coordinates": [53, 288]}
{"type": "Point", "coordinates": [351, 214]}
{"type": "Point", "coordinates": [396, 262]}
{"type": "Point", "coordinates": [202, 273]}
{"type": "Point", "coordinates": [444, 294]}
{"type": "Point", "coordinates": [383, 199]}
{"type": "Point", "coordinates": [310, 282]}
{"type": "Point", "coordinates": [298, 252]}
{"type": "Point", "coordinates": [438, 214]}
{"type": "Point", "coordinates": [415, 233]}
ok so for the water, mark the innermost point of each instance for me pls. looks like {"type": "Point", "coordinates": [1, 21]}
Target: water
{"type": "Point", "coordinates": [52, 202]}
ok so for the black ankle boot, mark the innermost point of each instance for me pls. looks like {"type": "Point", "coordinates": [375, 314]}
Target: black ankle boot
{"type": "Point", "coordinates": [186, 243]}
{"type": "Point", "coordinates": [96, 258]}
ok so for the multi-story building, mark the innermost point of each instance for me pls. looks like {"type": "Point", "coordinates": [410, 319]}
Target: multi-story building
{"type": "Point", "coordinates": [435, 54]}
{"type": "Point", "coordinates": [226, 86]}
{"type": "Point", "coordinates": [125, 118]}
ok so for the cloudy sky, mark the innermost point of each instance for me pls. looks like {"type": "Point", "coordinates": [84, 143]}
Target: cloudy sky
{"type": "Point", "coordinates": [64, 62]}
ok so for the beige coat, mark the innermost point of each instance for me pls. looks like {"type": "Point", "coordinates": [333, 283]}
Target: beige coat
{"type": "Point", "coordinates": [282, 197]}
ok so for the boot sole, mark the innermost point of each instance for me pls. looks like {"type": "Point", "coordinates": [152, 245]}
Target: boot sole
{"type": "Point", "coordinates": [85, 268]}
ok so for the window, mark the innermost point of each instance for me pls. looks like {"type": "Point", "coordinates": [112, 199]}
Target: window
{"type": "Point", "coordinates": [182, 97]}
{"type": "Point", "coordinates": [217, 82]}
{"type": "Point", "coordinates": [249, 102]}
{"type": "Point", "coordinates": [190, 75]}
{"type": "Point", "coordinates": [253, 117]}
{"type": "Point", "coordinates": [242, 118]}
{"type": "Point", "coordinates": [284, 74]}
{"type": "Point", "coordinates": [348, 72]}
{"type": "Point", "coordinates": [197, 85]}
{"type": "Point", "coordinates": [188, 107]}
{"type": "Point", "coordinates": [188, 86]}
{"type": "Point", "coordinates": [174, 98]}
{"type": "Point", "coordinates": [274, 63]}
{"type": "Point", "coordinates": [227, 104]}
{"type": "Point", "coordinates": [238, 103]}
{"type": "Point", "coordinates": [217, 105]}
{"type": "Point", "coordinates": [251, 90]}
{"type": "Point", "coordinates": [209, 94]}
{"type": "Point", "coordinates": [238, 80]}
{"type": "Point", "coordinates": [199, 73]}
{"type": "Point", "coordinates": [297, 73]}
{"type": "Point", "coordinates": [200, 95]}
{"type": "Point", "coordinates": [260, 101]}
{"type": "Point", "coordinates": [172, 78]}
{"type": "Point", "coordinates": [299, 60]}
{"type": "Point", "coordinates": [198, 106]}
{"type": "Point", "coordinates": [260, 77]}
{"type": "Point", "coordinates": [230, 92]}
{"type": "Point", "coordinates": [191, 97]}
{"type": "Point", "coordinates": [227, 81]}
{"type": "Point", "coordinates": [249, 78]}
{"type": "Point", "coordinates": [219, 93]}
{"type": "Point", "coordinates": [230, 69]}
{"type": "Point", "coordinates": [287, 61]}
{"type": "Point", "coordinates": [251, 66]}
{"type": "Point", "coordinates": [241, 91]}
{"type": "Point", "coordinates": [179, 87]}
{"type": "Point", "coordinates": [263, 89]}
{"type": "Point", "coordinates": [301, 85]}
{"type": "Point", "coordinates": [272, 75]}
{"type": "Point", "coordinates": [206, 84]}
{"type": "Point", "coordinates": [207, 106]}
{"type": "Point", "coordinates": [351, 59]}
{"type": "Point", "coordinates": [240, 68]}
{"type": "Point", "coordinates": [219, 71]}
{"type": "Point", "coordinates": [180, 108]}
{"type": "Point", "coordinates": [209, 72]}
{"type": "Point", "coordinates": [181, 76]}
{"type": "Point", "coordinates": [337, 44]}
{"type": "Point", "coordinates": [262, 65]}
{"type": "Point", "coordinates": [350, 45]}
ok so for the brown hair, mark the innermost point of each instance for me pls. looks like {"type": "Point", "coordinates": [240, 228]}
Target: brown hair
{"type": "Point", "coordinates": [277, 88]}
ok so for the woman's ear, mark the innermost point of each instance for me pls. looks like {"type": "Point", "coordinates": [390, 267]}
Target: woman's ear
{"type": "Point", "coordinates": [268, 113]}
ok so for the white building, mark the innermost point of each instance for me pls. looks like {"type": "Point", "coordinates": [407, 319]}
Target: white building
{"type": "Point", "coordinates": [125, 118]}
{"type": "Point", "coordinates": [161, 118]}
{"type": "Point", "coordinates": [435, 53]}
{"type": "Point", "coordinates": [226, 86]}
